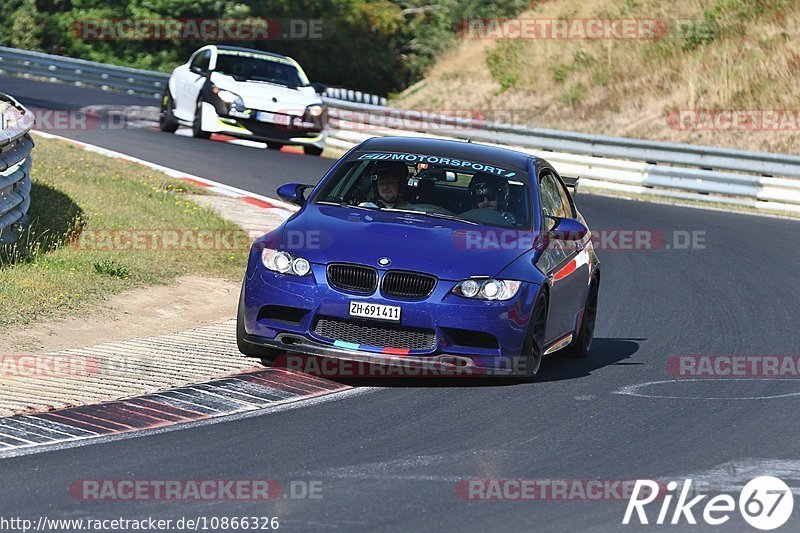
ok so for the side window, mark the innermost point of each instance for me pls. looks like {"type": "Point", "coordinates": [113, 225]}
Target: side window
{"type": "Point", "coordinates": [562, 192]}
{"type": "Point", "coordinates": [550, 199]}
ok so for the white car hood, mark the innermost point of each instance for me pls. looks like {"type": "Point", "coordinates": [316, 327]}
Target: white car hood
{"type": "Point", "coordinates": [267, 96]}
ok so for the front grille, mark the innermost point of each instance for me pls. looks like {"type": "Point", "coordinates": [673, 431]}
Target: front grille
{"type": "Point", "coordinates": [353, 278]}
{"type": "Point", "coordinates": [385, 336]}
{"type": "Point", "coordinates": [407, 284]}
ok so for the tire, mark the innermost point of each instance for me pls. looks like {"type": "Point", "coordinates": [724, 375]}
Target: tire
{"type": "Point", "coordinates": [166, 120]}
{"type": "Point", "coordinates": [533, 348]}
{"type": "Point", "coordinates": [580, 347]}
{"type": "Point", "coordinates": [275, 146]}
{"type": "Point", "coordinates": [197, 124]}
{"type": "Point", "coordinates": [312, 150]}
{"type": "Point", "coordinates": [267, 355]}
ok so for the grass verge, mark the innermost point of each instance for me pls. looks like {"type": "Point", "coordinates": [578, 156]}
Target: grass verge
{"type": "Point", "coordinates": [55, 271]}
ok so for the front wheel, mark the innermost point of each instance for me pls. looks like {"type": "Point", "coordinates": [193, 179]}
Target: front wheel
{"type": "Point", "coordinates": [533, 348]}
{"type": "Point", "coordinates": [579, 348]}
{"type": "Point", "coordinates": [166, 119]}
{"type": "Point", "coordinates": [197, 125]}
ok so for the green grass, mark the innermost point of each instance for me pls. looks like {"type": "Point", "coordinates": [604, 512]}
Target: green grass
{"type": "Point", "coordinates": [505, 62]}
{"type": "Point", "coordinates": [47, 274]}
{"type": "Point", "coordinates": [573, 95]}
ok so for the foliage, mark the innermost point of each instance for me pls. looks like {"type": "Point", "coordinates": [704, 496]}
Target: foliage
{"type": "Point", "coordinates": [376, 46]}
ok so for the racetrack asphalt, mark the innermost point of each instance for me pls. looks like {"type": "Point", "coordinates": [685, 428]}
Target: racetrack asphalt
{"type": "Point", "coordinates": [390, 459]}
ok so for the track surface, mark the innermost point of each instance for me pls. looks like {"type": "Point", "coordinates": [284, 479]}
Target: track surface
{"type": "Point", "coordinates": [390, 459]}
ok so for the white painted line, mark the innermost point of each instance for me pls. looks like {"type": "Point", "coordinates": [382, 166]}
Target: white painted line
{"type": "Point", "coordinates": [221, 188]}
{"type": "Point", "coordinates": [731, 477]}
{"type": "Point", "coordinates": [634, 390]}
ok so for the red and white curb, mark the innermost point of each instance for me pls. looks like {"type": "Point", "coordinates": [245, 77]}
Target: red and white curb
{"type": "Point", "coordinates": [239, 394]}
{"type": "Point", "coordinates": [257, 200]}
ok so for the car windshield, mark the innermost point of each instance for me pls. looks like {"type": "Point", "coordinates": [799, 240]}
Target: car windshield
{"type": "Point", "coordinates": [471, 192]}
{"type": "Point", "coordinates": [246, 66]}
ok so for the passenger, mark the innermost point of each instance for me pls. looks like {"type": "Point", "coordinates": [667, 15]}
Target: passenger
{"type": "Point", "coordinates": [489, 191]}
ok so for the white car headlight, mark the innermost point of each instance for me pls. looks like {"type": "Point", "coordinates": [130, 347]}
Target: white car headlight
{"type": "Point", "coordinates": [284, 263]}
{"type": "Point", "coordinates": [487, 289]}
{"type": "Point", "coordinates": [470, 288]}
{"type": "Point", "coordinates": [229, 97]}
{"type": "Point", "coordinates": [314, 110]}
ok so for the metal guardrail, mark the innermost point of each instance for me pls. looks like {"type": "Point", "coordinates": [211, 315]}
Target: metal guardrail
{"type": "Point", "coordinates": [595, 145]}
{"type": "Point", "coordinates": [130, 80]}
{"type": "Point", "coordinates": [81, 72]}
{"type": "Point", "coordinates": [15, 167]}
{"type": "Point", "coordinates": [349, 95]}
{"type": "Point", "coordinates": [674, 177]}
{"type": "Point", "coordinates": [704, 173]}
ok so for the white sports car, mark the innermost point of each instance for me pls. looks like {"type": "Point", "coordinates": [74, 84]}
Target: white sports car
{"type": "Point", "coordinates": [248, 94]}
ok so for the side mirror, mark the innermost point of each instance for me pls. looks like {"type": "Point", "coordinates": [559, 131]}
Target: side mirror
{"type": "Point", "coordinates": [293, 193]}
{"type": "Point", "coordinates": [572, 183]}
{"type": "Point", "coordinates": [319, 87]}
{"type": "Point", "coordinates": [198, 70]}
{"type": "Point", "coordinates": [568, 229]}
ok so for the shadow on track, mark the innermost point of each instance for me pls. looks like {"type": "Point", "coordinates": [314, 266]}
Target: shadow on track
{"type": "Point", "coordinates": [605, 352]}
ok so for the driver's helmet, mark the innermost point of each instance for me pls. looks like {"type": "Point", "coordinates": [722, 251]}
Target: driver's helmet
{"type": "Point", "coordinates": [389, 169]}
{"type": "Point", "coordinates": [488, 185]}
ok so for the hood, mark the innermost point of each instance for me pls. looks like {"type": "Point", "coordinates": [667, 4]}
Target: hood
{"type": "Point", "coordinates": [268, 96]}
{"type": "Point", "coordinates": [448, 249]}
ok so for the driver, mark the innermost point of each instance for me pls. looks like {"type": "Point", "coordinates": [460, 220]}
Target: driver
{"type": "Point", "coordinates": [489, 191]}
{"type": "Point", "coordinates": [388, 180]}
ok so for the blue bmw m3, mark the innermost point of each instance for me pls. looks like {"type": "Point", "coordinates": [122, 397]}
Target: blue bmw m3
{"type": "Point", "coordinates": [425, 253]}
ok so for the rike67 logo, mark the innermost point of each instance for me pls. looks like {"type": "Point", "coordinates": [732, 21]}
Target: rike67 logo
{"type": "Point", "coordinates": [765, 503]}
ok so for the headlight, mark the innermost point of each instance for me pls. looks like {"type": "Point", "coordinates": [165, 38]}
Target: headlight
{"type": "Point", "coordinates": [284, 263]}
{"type": "Point", "coordinates": [487, 289]}
{"type": "Point", "coordinates": [230, 98]}
{"type": "Point", "coordinates": [314, 110]}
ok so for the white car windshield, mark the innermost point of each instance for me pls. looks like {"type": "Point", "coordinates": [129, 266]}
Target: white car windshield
{"type": "Point", "coordinates": [258, 67]}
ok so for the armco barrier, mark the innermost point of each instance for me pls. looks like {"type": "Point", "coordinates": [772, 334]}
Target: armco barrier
{"type": "Point", "coordinates": [130, 80]}
{"type": "Point", "coordinates": [15, 167]}
{"type": "Point", "coordinates": [703, 173]}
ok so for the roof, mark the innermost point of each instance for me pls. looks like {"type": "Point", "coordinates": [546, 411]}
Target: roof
{"type": "Point", "coordinates": [251, 50]}
{"type": "Point", "coordinates": [447, 148]}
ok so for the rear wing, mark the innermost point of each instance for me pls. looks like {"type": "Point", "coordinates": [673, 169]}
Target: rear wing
{"type": "Point", "coordinates": [571, 183]}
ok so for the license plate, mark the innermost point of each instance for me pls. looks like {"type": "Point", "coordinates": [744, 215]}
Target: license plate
{"type": "Point", "coordinates": [266, 116]}
{"type": "Point", "coordinates": [377, 311]}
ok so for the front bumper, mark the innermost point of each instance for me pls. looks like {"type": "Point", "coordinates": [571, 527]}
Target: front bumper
{"type": "Point", "coordinates": [450, 318]}
{"type": "Point", "coordinates": [304, 134]}
{"type": "Point", "coordinates": [441, 364]}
